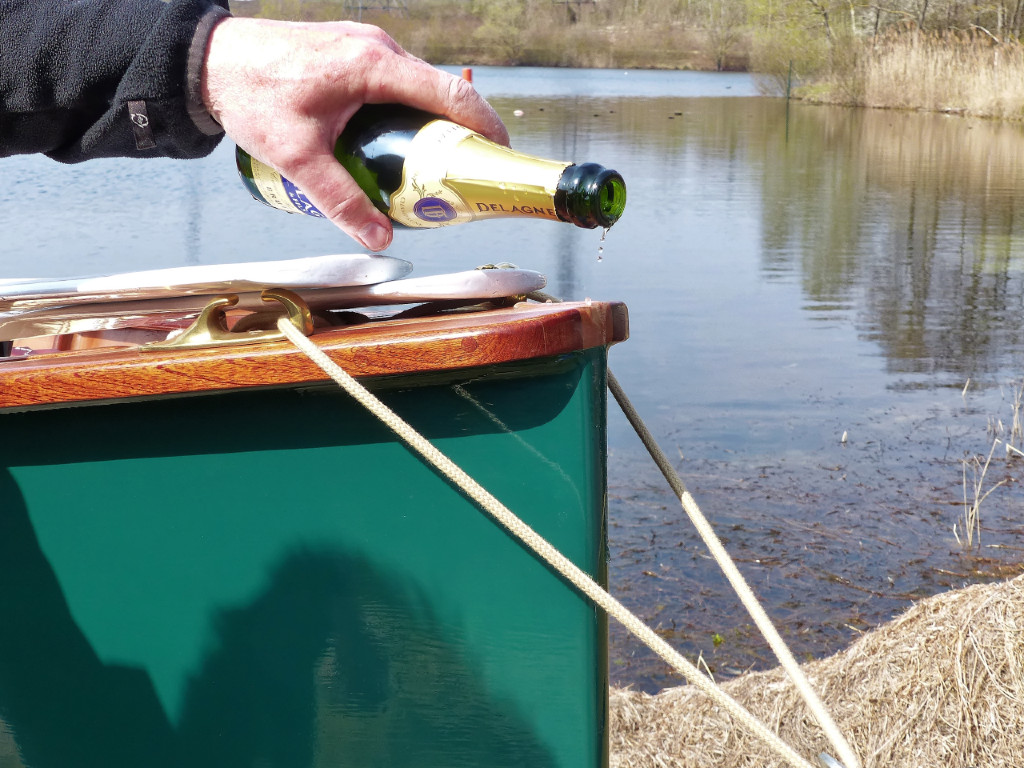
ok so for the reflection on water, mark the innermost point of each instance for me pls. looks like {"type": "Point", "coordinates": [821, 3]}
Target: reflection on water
{"type": "Point", "coordinates": [912, 220]}
{"type": "Point", "coordinates": [851, 271]}
{"type": "Point", "coordinates": [794, 274]}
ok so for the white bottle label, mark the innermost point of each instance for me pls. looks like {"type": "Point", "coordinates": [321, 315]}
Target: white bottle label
{"type": "Point", "coordinates": [281, 193]}
{"type": "Point", "coordinates": [423, 200]}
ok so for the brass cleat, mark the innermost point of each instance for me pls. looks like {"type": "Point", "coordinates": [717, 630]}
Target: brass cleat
{"type": "Point", "coordinates": [210, 329]}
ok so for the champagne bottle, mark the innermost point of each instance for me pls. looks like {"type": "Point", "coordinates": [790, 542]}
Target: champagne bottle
{"type": "Point", "coordinates": [424, 171]}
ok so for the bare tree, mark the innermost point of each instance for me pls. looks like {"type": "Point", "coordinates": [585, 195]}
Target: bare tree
{"type": "Point", "coordinates": [723, 22]}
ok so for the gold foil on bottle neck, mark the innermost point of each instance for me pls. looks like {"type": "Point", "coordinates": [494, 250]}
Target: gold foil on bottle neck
{"type": "Point", "coordinates": [453, 175]}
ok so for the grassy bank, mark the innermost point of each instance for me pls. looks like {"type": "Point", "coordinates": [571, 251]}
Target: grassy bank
{"type": "Point", "coordinates": [940, 685]}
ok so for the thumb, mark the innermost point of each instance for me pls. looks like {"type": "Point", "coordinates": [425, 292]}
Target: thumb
{"type": "Point", "coordinates": [337, 195]}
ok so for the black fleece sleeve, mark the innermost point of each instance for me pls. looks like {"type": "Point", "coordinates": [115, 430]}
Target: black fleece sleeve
{"type": "Point", "coordinates": [81, 79]}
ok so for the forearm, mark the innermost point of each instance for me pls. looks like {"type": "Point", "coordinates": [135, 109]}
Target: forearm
{"type": "Point", "coordinates": [102, 78]}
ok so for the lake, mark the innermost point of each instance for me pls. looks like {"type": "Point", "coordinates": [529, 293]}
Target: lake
{"type": "Point", "coordinates": [827, 327]}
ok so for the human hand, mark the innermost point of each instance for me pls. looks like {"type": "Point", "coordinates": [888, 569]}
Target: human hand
{"type": "Point", "coordinates": [284, 91]}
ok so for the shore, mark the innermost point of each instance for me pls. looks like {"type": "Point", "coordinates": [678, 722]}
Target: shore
{"type": "Point", "coordinates": [958, 70]}
{"type": "Point", "coordinates": [970, 75]}
{"type": "Point", "coordinates": [941, 685]}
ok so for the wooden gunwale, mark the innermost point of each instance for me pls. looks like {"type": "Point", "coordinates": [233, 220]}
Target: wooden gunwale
{"type": "Point", "coordinates": [385, 348]}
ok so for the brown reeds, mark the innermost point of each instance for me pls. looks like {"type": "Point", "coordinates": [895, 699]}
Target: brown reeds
{"type": "Point", "coordinates": [951, 72]}
{"type": "Point", "coordinates": [969, 535]}
{"type": "Point", "coordinates": [942, 685]}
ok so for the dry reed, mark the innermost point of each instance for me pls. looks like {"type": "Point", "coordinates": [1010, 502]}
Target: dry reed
{"type": "Point", "coordinates": [949, 72]}
{"type": "Point", "coordinates": [941, 685]}
{"type": "Point", "coordinates": [1017, 423]}
{"type": "Point", "coordinates": [970, 524]}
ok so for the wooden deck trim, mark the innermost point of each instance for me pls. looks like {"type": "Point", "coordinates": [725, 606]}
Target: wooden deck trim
{"type": "Point", "coordinates": [391, 347]}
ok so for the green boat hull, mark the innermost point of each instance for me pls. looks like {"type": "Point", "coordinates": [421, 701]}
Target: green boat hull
{"type": "Point", "coordinates": [269, 578]}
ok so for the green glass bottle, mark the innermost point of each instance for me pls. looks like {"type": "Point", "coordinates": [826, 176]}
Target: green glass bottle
{"type": "Point", "coordinates": [424, 171]}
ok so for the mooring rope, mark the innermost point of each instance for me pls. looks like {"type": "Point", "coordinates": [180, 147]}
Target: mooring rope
{"type": "Point", "coordinates": [539, 545]}
{"type": "Point", "coordinates": [739, 584]}
{"type": "Point", "coordinates": [796, 675]}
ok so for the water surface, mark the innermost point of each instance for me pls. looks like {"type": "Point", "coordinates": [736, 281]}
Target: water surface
{"type": "Point", "coordinates": [826, 314]}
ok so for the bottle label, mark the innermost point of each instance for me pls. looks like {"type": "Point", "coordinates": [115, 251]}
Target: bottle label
{"type": "Point", "coordinates": [281, 193]}
{"type": "Point", "coordinates": [453, 175]}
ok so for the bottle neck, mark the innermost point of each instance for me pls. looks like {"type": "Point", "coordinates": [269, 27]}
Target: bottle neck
{"type": "Point", "coordinates": [454, 175]}
{"type": "Point", "coordinates": [589, 195]}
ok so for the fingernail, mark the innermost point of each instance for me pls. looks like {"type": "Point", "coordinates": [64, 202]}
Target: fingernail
{"type": "Point", "coordinates": [375, 237]}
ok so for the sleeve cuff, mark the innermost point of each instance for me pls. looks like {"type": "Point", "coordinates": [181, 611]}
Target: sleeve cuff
{"type": "Point", "coordinates": [197, 111]}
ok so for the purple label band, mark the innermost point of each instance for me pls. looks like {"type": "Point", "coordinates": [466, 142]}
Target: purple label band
{"type": "Point", "coordinates": [299, 199]}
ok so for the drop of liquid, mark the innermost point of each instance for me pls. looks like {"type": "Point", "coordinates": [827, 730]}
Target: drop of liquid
{"type": "Point", "coordinates": [600, 247]}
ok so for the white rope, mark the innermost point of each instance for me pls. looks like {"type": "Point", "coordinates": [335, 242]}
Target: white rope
{"type": "Point", "coordinates": [739, 584]}
{"type": "Point", "coordinates": [539, 545]}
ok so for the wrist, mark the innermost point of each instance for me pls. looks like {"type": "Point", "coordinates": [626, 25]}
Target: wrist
{"type": "Point", "coordinates": [223, 57]}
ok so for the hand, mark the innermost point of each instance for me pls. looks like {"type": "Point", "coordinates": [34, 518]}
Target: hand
{"type": "Point", "coordinates": [284, 91]}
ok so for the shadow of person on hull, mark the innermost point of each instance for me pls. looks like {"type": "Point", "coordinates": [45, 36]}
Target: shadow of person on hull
{"type": "Point", "coordinates": [62, 704]}
{"type": "Point", "coordinates": [331, 662]}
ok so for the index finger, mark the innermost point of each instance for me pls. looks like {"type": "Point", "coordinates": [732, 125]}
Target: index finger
{"type": "Point", "coordinates": [417, 84]}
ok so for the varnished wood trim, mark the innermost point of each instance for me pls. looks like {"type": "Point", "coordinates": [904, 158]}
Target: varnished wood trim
{"type": "Point", "coordinates": [393, 347]}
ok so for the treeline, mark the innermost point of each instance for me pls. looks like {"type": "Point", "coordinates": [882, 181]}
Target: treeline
{"type": "Point", "coordinates": [879, 53]}
{"type": "Point", "coordinates": [663, 34]}
{"type": "Point", "coordinates": [829, 42]}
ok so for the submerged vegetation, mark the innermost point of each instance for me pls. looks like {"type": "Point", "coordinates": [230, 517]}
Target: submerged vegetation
{"type": "Point", "coordinates": [954, 56]}
{"type": "Point", "coordinates": [1011, 440]}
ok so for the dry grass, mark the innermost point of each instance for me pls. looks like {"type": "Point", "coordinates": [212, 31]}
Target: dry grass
{"type": "Point", "coordinates": [960, 74]}
{"type": "Point", "coordinates": [942, 685]}
{"type": "Point", "coordinates": [1017, 422]}
{"type": "Point", "coordinates": [969, 533]}
{"type": "Point", "coordinates": [459, 33]}
{"type": "Point", "coordinates": [970, 523]}
{"type": "Point", "coordinates": [1012, 436]}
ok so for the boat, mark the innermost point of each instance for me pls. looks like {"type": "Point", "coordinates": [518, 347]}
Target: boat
{"type": "Point", "coordinates": [211, 555]}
